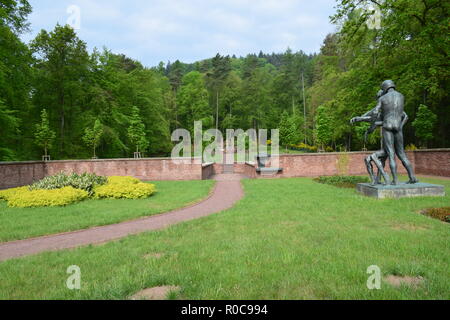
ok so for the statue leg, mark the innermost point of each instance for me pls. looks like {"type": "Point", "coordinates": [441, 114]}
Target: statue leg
{"type": "Point", "coordinates": [383, 165]}
{"type": "Point", "coordinates": [401, 154]}
{"type": "Point", "coordinates": [389, 142]}
{"type": "Point", "coordinates": [380, 165]}
{"type": "Point", "coordinates": [368, 162]}
{"type": "Point", "coordinates": [382, 157]}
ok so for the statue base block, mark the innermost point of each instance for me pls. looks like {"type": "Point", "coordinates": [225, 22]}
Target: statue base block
{"type": "Point", "coordinates": [401, 190]}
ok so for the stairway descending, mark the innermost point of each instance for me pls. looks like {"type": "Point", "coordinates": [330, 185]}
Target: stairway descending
{"type": "Point", "coordinates": [228, 168]}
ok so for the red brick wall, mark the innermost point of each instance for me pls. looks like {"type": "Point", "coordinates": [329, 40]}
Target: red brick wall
{"type": "Point", "coordinates": [14, 174]}
{"type": "Point", "coordinates": [23, 173]}
{"type": "Point", "coordinates": [329, 164]}
{"type": "Point", "coordinates": [144, 169]}
{"type": "Point", "coordinates": [433, 162]}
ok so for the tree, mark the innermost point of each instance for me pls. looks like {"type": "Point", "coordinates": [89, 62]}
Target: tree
{"type": "Point", "coordinates": [9, 124]}
{"type": "Point", "coordinates": [424, 124]}
{"type": "Point", "coordinates": [221, 67]}
{"type": "Point", "coordinates": [44, 135]}
{"type": "Point", "coordinates": [136, 131]}
{"type": "Point", "coordinates": [62, 63]}
{"type": "Point", "coordinates": [92, 136]}
{"type": "Point", "coordinates": [15, 75]}
{"type": "Point", "coordinates": [13, 13]}
{"type": "Point", "coordinates": [324, 128]}
{"type": "Point", "coordinates": [290, 129]}
{"type": "Point", "coordinates": [192, 100]}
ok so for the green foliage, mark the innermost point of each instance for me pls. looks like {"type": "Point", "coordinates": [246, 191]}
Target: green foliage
{"type": "Point", "coordinates": [342, 181]}
{"type": "Point", "coordinates": [324, 126]}
{"type": "Point", "coordinates": [46, 198]}
{"type": "Point", "coordinates": [290, 129]}
{"type": "Point", "coordinates": [124, 188]}
{"type": "Point", "coordinates": [9, 124]}
{"type": "Point", "coordinates": [424, 124]}
{"type": "Point", "coordinates": [193, 101]}
{"type": "Point", "coordinates": [61, 63]}
{"type": "Point", "coordinates": [15, 75]}
{"type": "Point", "coordinates": [92, 136]}
{"type": "Point", "coordinates": [85, 181]}
{"type": "Point", "coordinates": [44, 135]}
{"type": "Point", "coordinates": [136, 131]}
{"type": "Point", "coordinates": [13, 13]}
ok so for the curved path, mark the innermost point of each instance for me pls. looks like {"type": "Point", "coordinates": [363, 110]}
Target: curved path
{"type": "Point", "coordinates": [226, 193]}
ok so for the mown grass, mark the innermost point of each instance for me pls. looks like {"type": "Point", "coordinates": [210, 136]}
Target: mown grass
{"type": "Point", "coordinates": [22, 223]}
{"type": "Point", "coordinates": [287, 239]}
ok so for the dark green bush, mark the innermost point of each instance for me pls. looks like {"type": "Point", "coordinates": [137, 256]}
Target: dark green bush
{"type": "Point", "coordinates": [85, 181]}
{"type": "Point", "coordinates": [342, 181]}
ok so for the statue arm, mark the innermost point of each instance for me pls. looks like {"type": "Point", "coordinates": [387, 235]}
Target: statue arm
{"type": "Point", "coordinates": [405, 119]}
{"type": "Point", "coordinates": [369, 116]}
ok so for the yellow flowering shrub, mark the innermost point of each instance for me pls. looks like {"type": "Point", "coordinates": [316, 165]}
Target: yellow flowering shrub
{"type": "Point", "coordinates": [124, 188]}
{"type": "Point", "coordinates": [123, 180]}
{"type": "Point", "coordinates": [5, 194]}
{"type": "Point", "coordinates": [46, 198]}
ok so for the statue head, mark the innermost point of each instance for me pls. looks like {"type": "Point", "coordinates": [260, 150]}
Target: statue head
{"type": "Point", "coordinates": [386, 85]}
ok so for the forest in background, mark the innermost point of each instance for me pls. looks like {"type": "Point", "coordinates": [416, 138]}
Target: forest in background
{"type": "Point", "coordinates": [82, 91]}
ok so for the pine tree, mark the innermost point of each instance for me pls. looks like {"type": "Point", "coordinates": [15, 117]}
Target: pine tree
{"type": "Point", "coordinates": [221, 68]}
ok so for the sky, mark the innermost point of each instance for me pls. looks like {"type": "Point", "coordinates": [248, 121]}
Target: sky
{"type": "Point", "coordinates": [189, 30]}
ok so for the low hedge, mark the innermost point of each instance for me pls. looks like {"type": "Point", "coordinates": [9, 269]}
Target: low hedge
{"type": "Point", "coordinates": [5, 194]}
{"type": "Point", "coordinates": [50, 195]}
{"type": "Point", "coordinates": [46, 198]}
{"type": "Point", "coordinates": [342, 181]}
{"type": "Point", "coordinates": [123, 180]}
{"type": "Point", "coordinates": [124, 188]}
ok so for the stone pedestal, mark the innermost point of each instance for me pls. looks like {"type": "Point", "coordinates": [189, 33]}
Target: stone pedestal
{"type": "Point", "coordinates": [401, 190]}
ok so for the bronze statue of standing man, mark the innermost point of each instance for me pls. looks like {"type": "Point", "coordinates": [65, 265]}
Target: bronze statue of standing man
{"type": "Point", "coordinates": [390, 109]}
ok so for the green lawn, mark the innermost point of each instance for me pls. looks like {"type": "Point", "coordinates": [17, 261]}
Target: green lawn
{"type": "Point", "coordinates": [22, 223]}
{"type": "Point", "coordinates": [287, 239]}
